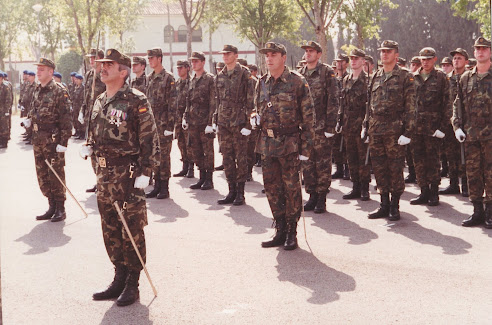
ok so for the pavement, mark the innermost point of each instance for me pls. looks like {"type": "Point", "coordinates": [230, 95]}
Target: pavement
{"type": "Point", "coordinates": [208, 267]}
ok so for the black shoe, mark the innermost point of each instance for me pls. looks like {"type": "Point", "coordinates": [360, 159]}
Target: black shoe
{"type": "Point", "coordinates": [321, 203]}
{"type": "Point", "coordinates": [231, 196]}
{"type": "Point", "coordinates": [3, 145]}
{"type": "Point", "coordinates": [116, 287]}
{"type": "Point", "coordinates": [423, 198]}
{"type": "Point", "coordinates": [444, 171]}
{"type": "Point", "coordinates": [191, 171]}
{"type": "Point", "coordinates": [383, 210]}
{"type": "Point", "coordinates": [346, 172]}
{"type": "Point", "coordinates": [279, 237]}
{"type": "Point", "coordinates": [478, 216]}
{"type": "Point", "coordinates": [263, 191]}
{"type": "Point", "coordinates": [156, 190]}
{"type": "Point", "coordinates": [394, 213]}
{"type": "Point", "coordinates": [130, 293]}
{"type": "Point", "coordinates": [364, 192]}
{"type": "Point", "coordinates": [164, 190]}
{"type": "Point", "coordinates": [433, 195]}
{"type": "Point", "coordinates": [291, 237]}
{"type": "Point", "coordinates": [60, 213]}
{"type": "Point", "coordinates": [453, 187]}
{"type": "Point", "coordinates": [183, 171]}
{"type": "Point", "coordinates": [200, 182]}
{"type": "Point", "coordinates": [208, 184]}
{"type": "Point", "coordinates": [311, 203]}
{"type": "Point", "coordinates": [411, 177]}
{"type": "Point", "coordinates": [464, 187]}
{"type": "Point", "coordinates": [488, 215]}
{"type": "Point", "coordinates": [92, 189]}
{"type": "Point", "coordinates": [221, 167]}
{"type": "Point", "coordinates": [51, 211]}
{"type": "Point", "coordinates": [339, 173]}
{"type": "Point", "coordinates": [239, 200]}
{"type": "Point", "coordinates": [355, 193]}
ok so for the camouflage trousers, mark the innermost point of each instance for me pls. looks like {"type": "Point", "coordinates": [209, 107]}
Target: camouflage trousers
{"type": "Point", "coordinates": [164, 169]}
{"type": "Point", "coordinates": [75, 121]}
{"type": "Point", "coordinates": [356, 158]}
{"type": "Point", "coordinates": [339, 157]}
{"type": "Point", "coordinates": [425, 151]}
{"type": "Point", "coordinates": [479, 169]}
{"type": "Point", "coordinates": [408, 155]}
{"type": "Point", "coordinates": [233, 146]}
{"type": "Point", "coordinates": [181, 135]}
{"type": "Point", "coordinates": [252, 138]}
{"type": "Point", "coordinates": [117, 242]}
{"type": "Point", "coordinates": [48, 183]}
{"type": "Point", "coordinates": [452, 149]}
{"type": "Point", "coordinates": [201, 147]}
{"type": "Point", "coordinates": [5, 128]}
{"type": "Point", "coordinates": [317, 170]}
{"type": "Point", "coordinates": [388, 160]}
{"type": "Point", "coordinates": [283, 187]}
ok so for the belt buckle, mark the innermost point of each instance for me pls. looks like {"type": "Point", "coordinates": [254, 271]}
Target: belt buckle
{"type": "Point", "coordinates": [269, 104]}
{"type": "Point", "coordinates": [270, 133]}
{"type": "Point", "coordinates": [102, 162]}
{"type": "Point", "coordinates": [35, 127]}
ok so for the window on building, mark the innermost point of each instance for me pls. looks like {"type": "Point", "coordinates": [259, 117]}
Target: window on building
{"type": "Point", "coordinates": [168, 34]}
{"type": "Point", "coordinates": [182, 33]}
{"type": "Point", "coordinates": [196, 36]}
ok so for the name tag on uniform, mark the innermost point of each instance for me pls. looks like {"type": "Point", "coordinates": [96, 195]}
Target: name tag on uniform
{"type": "Point", "coordinates": [35, 127]}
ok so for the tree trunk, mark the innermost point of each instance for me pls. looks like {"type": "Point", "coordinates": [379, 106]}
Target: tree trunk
{"type": "Point", "coordinates": [321, 37]}
{"type": "Point", "coordinates": [210, 51]}
{"type": "Point", "coordinates": [189, 32]}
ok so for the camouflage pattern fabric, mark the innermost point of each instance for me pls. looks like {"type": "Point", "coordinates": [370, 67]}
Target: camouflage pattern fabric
{"type": "Point", "coordinates": [26, 97]}
{"type": "Point", "coordinates": [234, 158]}
{"type": "Point", "coordinates": [100, 87]}
{"type": "Point", "coordinates": [339, 157]}
{"type": "Point", "coordinates": [180, 134]}
{"type": "Point", "coordinates": [77, 101]}
{"type": "Point", "coordinates": [317, 170]}
{"type": "Point", "coordinates": [6, 100]}
{"type": "Point", "coordinates": [253, 137]}
{"type": "Point", "coordinates": [425, 152]}
{"type": "Point", "coordinates": [140, 83]}
{"type": "Point", "coordinates": [201, 147]}
{"type": "Point", "coordinates": [479, 170]}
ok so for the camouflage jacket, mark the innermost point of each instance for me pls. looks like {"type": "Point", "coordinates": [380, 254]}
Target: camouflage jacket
{"type": "Point", "coordinates": [100, 87]}
{"type": "Point", "coordinates": [287, 126]}
{"type": "Point", "coordinates": [71, 89]}
{"type": "Point", "coordinates": [161, 93]}
{"type": "Point", "coordinates": [78, 97]}
{"type": "Point", "coordinates": [353, 103]}
{"type": "Point", "coordinates": [50, 114]}
{"type": "Point", "coordinates": [234, 97]}
{"type": "Point", "coordinates": [200, 105]}
{"type": "Point", "coordinates": [124, 125]}
{"type": "Point", "coordinates": [325, 93]}
{"type": "Point", "coordinates": [140, 83]}
{"type": "Point", "coordinates": [27, 94]}
{"type": "Point", "coordinates": [22, 89]}
{"type": "Point", "coordinates": [476, 97]}
{"type": "Point", "coordinates": [182, 90]}
{"type": "Point", "coordinates": [6, 99]}
{"type": "Point", "coordinates": [453, 90]}
{"type": "Point", "coordinates": [391, 103]}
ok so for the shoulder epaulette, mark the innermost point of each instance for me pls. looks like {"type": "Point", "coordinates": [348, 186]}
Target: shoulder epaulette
{"type": "Point", "coordinates": [137, 93]}
{"type": "Point", "coordinates": [294, 72]}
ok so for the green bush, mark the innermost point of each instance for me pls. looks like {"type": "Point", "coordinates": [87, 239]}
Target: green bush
{"type": "Point", "coordinates": [68, 62]}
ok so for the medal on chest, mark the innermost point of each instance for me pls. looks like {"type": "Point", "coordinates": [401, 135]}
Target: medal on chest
{"type": "Point", "coordinates": [117, 117]}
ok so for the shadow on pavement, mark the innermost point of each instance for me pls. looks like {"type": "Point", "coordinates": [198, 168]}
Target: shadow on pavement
{"type": "Point", "coordinates": [45, 236]}
{"type": "Point", "coordinates": [446, 212]}
{"type": "Point", "coordinates": [170, 213]}
{"type": "Point", "coordinates": [133, 314]}
{"type": "Point", "coordinates": [306, 271]}
{"type": "Point", "coordinates": [247, 216]}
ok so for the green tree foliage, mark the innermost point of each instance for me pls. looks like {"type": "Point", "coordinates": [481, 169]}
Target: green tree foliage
{"type": "Point", "coordinates": [11, 16]}
{"type": "Point", "coordinates": [477, 10]}
{"type": "Point", "coordinates": [68, 62]}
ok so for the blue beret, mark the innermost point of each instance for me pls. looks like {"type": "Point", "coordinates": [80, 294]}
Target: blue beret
{"type": "Point", "coordinates": [31, 73]}
{"type": "Point", "coordinates": [79, 76]}
{"type": "Point", "coordinates": [25, 72]}
{"type": "Point", "coordinates": [73, 74]}
{"type": "Point", "coordinates": [5, 75]}
{"type": "Point", "coordinates": [57, 74]}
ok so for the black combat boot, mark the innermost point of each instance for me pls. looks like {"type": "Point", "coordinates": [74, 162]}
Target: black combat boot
{"type": "Point", "coordinates": [200, 182]}
{"type": "Point", "coordinates": [164, 190]}
{"type": "Point", "coordinates": [383, 210]}
{"type": "Point", "coordinates": [478, 216]}
{"type": "Point", "coordinates": [208, 184]}
{"type": "Point", "coordinates": [355, 193]}
{"type": "Point", "coordinates": [60, 213]}
{"type": "Point", "coordinates": [130, 293]}
{"type": "Point", "coordinates": [464, 187]}
{"type": "Point", "coordinates": [364, 192]}
{"type": "Point", "coordinates": [279, 237]}
{"type": "Point", "coordinates": [339, 173]}
{"type": "Point", "coordinates": [51, 211]}
{"type": "Point", "coordinates": [183, 171]}
{"type": "Point", "coordinates": [411, 177]}
{"type": "Point", "coordinates": [346, 172]}
{"type": "Point", "coordinates": [239, 200]}
{"type": "Point", "coordinates": [311, 203]}
{"type": "Point", "coordinates": [423, 198]}
{"type": "Point", "coordinates": [91, 189]}
{"type": "Point", "coordinates": [488, 215]}
{"type": "Point", "coordinates": [191, 170]}
{"type": "Point", "coordinates": [156, 190]}
{"type": "Point", "coordinates": [116, 287]}
{"type": "Point", "coordinates": [444, 169]}
{"type": "Point", "coordinates": [258, 160]}
{"type": "Point", "coordinates": [221, 167]}
{"type": "Point", "coordinates": [394, 214]}
{"type": "Point", "coordinates": [433, 195]}
{"type": "Point", "coordinates": [231, 196]}
{"type": "Point", "coordinates": [321, 203]}
{"type": "Point", "coordinates": [291, 237]}
{"type": "Point", "coordinates": [453, 188]}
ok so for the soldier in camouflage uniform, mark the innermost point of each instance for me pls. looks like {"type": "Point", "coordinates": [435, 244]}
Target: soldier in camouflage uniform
{"type": "Point", "coordinates": [49, 114]}
{"type": "Point", "coordinates": [350, 117]}
{"type": "Point", "coordinates": [451, 144]}
{"type": "Point", "coordinates": [235, 102]}
{"type": "Point", "coordinates": [6, 101]}
{"type": "Point", "coordinates": [138, 68]}
{"type": "Point", "coordinates": [22, 90]}
{"type": "Point", "coordinates": [432, 101]}
{"type": "Point", "coordinates": [26, 101]}
{"type": "Point", "coordinates": [77, 102]}
{"type": "Point", "coordinates": [180, 134]}
{"type": "Point", "coordinates": [161, 93]}
{"type": "Point", "coordinates": [324, 91]}
{"type": "Point", "coordinates": [340, 156]}
{"type": "Point", "coordinates": [285, 115]}
{"type": "Point", "coordinates": [71, 86]}
{"type": "Point", "coordinates": [197, 119]}
{"type": "Point", "coordinates": [123, 139]}
{"type": "Point", "coordinates": [472, 121]}
{"type": "Point", "coordinates": [389, 123]}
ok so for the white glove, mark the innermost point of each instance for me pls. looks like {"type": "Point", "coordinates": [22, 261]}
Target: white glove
{"type": "Point", "coordinates": [209, 129]}
{"type": "Point", "coordinates": [7, 114]}
{"type": "Point", "coordinates": [27, 123]}
{"type": "Point", "coordinates": [460, 135]}
{"type": "Point", "coordinates": [245, 132]}
{"type": "Point", "coordinates": [367, 140]}
{"type": "Point", "coordinates": [60, 148]}
{"type": "Point", "coordinates": [255, 120]}
{"type": "Point", "coordinates": [85, 151]}
{"type": "Point", "coordinates": [167, 133]}
{"type": "Point", "coordinates": [363, 133]}
{"type": "Point", "coordinates": [303, 158]}
{"type": "Point", "coordinates": [438, 134]}
{"type": "Point", "coordinates": [81, 118]}
{"type": "Point", "coordinates": [141, 181]}
{"type": "Point", "coordinates": [328, 135]}
{"type": "Point", "coordinates": [214, 126]}
{"type": "Point", "coordinates": [403, 140]}
{"type": "Point", "coordinates": [184, 125]}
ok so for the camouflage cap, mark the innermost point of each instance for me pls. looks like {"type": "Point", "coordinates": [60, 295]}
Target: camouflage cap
{"type": "Point", "coordinates": [313, 45]}
{"type": "Point", "coordinates": [388, 45]}
{"type": "Point", "coordinates": [92, 53]}
{"type": "Point", "coordinates": [253, 67]}
{"type": "Point", "coordinates": [220, 65]}
{"type": "Point", "coordinates": [427, 53]}
{"type": "Point", "coordinates": [369, 58]}
{"type": "Point", "coordinates": [342, 57]}
{"type": "Point", "coordinates": [358, 52]}
{"type": "Point", "coordinates": [273, 47]}
{"type": "Point", "coordinates": [461, 51]}
{"type": "Point", "coordinates": [446, 60]}
{"type": "Point", "coordinates": [228, 48]}
{"type": "Point", "coordinates": [156, 51]}
{"type": "Point", "coordinates": [482, 42]}
{"type": "Point", "coordinates": [402, 61]}
{"type": "Point", "coordinates": [243, 62]}
{"type": "Point", "coordinates": [46, 62]}
{"type": "Point", "coordinates": [416, 60]}
{"type": "Point", "coordinates": [183, 63]}
{"type": "Point", "coordinates": [113, 55]}
{"type": "Point", "coordinates": [197, 56]}
{"type": "Point", "coordinates": [139, 60]}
